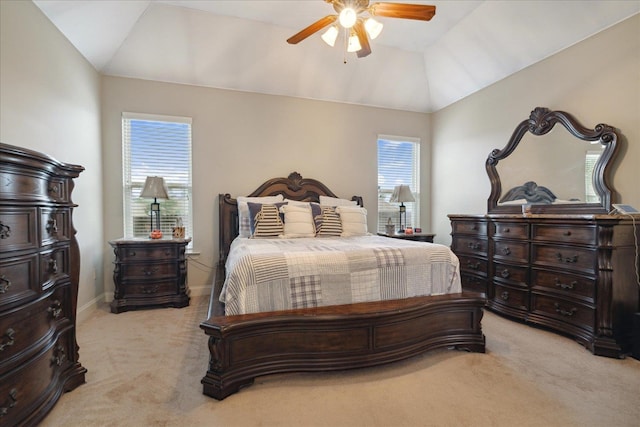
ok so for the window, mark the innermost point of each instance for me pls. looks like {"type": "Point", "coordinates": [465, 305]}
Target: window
{"type": "Point", "coordinates": [591, 159]}
{"type": "Point", "coordinates": [156, 146]}
{"type": "Point", "coordinates": [398, 163]}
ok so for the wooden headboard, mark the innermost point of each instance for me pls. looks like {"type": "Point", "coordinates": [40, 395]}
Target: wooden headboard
{"type": "Point", "coordinates": [293, 187]}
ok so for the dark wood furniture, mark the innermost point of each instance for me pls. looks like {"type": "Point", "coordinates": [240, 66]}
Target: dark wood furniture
{"type": "Point", "coordinates": [417, 237]}
{"type": "Point", "coordinates": [569, 267]}
{"type": "Point", "coordinates": [243, 347]}
{"type": "Point", "coordinates": [149, 273]}
{"type": "Point", "coordinates": [39, 273]}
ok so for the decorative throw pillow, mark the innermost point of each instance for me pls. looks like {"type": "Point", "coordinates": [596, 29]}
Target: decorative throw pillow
{"type": "Point", "coordinates": [265, 220]}
{"type": "Point", "coordinates": [334, 201]}
{"type": "Point", "coordinates": [354, 220]}
{"type": "Point", "coordinates": [329, 222]}
{"type": "Point", "coordinates": [298, 221]}
{"type": "Point", "coordinates": [243, 211]}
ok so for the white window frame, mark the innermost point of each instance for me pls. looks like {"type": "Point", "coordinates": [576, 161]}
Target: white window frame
{"type": "Point", "coordinates": [386, 185]}
{"type": "Point", "coordinates": [160, 159]}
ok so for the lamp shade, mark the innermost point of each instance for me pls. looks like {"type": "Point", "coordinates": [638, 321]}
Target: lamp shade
{"type": "Point", "coordinates": [155, 188]}
{"type": "Point", "coordinates": [401, 194]}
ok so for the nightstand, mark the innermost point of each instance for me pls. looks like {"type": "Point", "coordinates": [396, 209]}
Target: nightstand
{"type": "Point", "coordinates": [418, 237]}
{"type": "Point", "coordinates": [149, 273]}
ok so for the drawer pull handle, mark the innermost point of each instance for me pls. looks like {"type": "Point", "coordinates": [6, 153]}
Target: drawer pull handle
{"type": "Point", "coordinates": [568, 260]}
{"type": "Point", "coordinates": [504, 295]}
{"type": "Point", "coordinates": [52, 225]}
{"type": "Point", "coordinates": [150, 289]}
{"type": "Point", "coordinates": [567, 233]}
{"type": "Point", "coordinates": [474, 227]}
{"type": "Point", "coordinates": [5, 284]}
{"type": "Point", "coordinates": [11, 402]}
{"type": "Point", "coordinates": [474, 245]}
{"type": "Point", "coordinates": [505, 273]}
{"type": "Point", "coordinates": [55, 309]}
{"type": "Point", "coordinates": [566, 285]}
{"type": "Point", "coordinates": [567, 313]}
{"type": "Point", "coordinates": [149, 272]}
{"type": "Point", "coordinates": [53, 265]}
{"type": "Point", "coordinates": [131, 253]}
{"type": "Point", "coordinates": [53, 189]}
{"type": "Point", "coordinates": [506, 230]}
{"type": "Point", "coordinates": [5, 231]}
{"type": "Point", "coordinates": [506, 251]}
{"type": "Point", "coordinates": [59, 356]}
{"type": "Point", "coordinates": [8, 339]}
{"type": "Point", "coordinates": [473, 266]}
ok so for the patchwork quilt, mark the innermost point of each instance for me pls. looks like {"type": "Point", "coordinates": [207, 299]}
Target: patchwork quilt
{"type": "Point", "coordinates": [280, 274]}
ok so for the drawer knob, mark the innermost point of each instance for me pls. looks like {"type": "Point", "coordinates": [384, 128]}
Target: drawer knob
{"type": "Point", "coordinates": [150, 289]}
{"type": "Point", "coordinates": [53, 265]}
{"type": "Point", "coordinates": [150, 271]}
{"type": "Point", "coordinates": [562, 311]}
{"type": "Point", "coordinates": [506, 230]}
{"type": "Point", "coordinates": [505, 273]}
{"type": "Point", "coordinates": [131, 253]}
{"type": "Point", "coordinates": [504, 295]}
{"type": "Point", "coordinates": [55, 309]}
{"type": "Point", "coordinates": [52, 225]}
{"type": "Point", "coordinates": [5, 284]}
{"type": "Point", "coordinates": [506, 251]}
{"type": "Point", "coordinates": [474, 227]}
{"type": "Point", "coordinates": [10, 402]}
{"type": "Point", "coordinates": [566, 285]}
{"type": "Point", "coordinates": [568, 260]}
{"type": "Point", "coordinates": [473, 266]}
{"type": "Point", "coordinates": [53, 189]}
{"type": "Point", "coordinates": [474, 245]}
{"type": "Point", "coordinates": [567, 233]}
{"type": "Point", "coordinates": [8, 339]}
{"type": "Point", "coordinates": [5, 231]}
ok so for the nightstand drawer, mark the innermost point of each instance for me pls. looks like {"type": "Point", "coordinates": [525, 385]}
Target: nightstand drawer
{"type": "Point", "coordinates": [149, 270]}
{"type": "Point", "coordinates": [151, 251]}
{"type": "Point", "coordinates": [152, 288]}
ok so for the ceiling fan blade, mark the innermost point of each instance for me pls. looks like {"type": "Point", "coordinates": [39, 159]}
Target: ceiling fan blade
{"type": "Point", "coordinates": [364, 40]}
{"type": "Point", "coordinates": [311, 29]}
{"type": "Point", "coordinates": [420, 12]}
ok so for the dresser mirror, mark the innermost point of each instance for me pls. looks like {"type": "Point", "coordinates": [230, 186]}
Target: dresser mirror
{"type": "Point", "coordinates": [553, 169]}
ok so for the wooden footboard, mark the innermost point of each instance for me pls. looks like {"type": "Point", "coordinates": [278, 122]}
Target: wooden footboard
{"type": "Point", "coordinates": [338, 337]}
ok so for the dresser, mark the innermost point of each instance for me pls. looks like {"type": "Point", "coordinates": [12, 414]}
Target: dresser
{"type": "Point", "coordinates": [39, 273]}
{"type": "Point", "coordinates": [574, 274]}
{"type": "Point", "coordinates": [149, 273]}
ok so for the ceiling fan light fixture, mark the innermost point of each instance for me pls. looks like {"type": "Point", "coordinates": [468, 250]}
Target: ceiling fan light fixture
{"type": "Point", "coordinates": [354, 43]}
{"type": "Point", "coordinates": [330, 35]}
{"type": "Point", "coordinates": [348, 17]}
{"type": "Point", "coordinates": [373, 27]}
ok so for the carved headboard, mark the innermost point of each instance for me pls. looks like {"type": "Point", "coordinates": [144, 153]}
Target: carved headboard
{"type": "Point", "coordinates": [293, 187]}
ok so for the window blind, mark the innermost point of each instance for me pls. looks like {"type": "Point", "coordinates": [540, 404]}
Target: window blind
{"type": "Point", "coordinates": [398, 163]}
{"type": "Point", "coordinates": [156, 146]}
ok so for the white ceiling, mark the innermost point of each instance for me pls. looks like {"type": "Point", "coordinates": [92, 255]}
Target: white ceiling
{"type": "Point", "coordinates": [241, 45]}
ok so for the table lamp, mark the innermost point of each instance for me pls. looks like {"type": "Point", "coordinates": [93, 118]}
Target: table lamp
{"type": "Point", "coordinates": [401, 194]}
{"type": "Point", "coordinates": [156, 188]}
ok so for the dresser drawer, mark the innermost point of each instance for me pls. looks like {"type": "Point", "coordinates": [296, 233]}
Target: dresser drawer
{"type": "Point", "coordinates": [469, 245]}
{"type": "Point", "coordinates": [586, 235]}
{"type": "Point", "coordinates": [54, 226]}
{"type": "Point", "coordinates": [151, 251]}
{"type": "Point", "coordinates": [511, 250]}
{"type": "Point", "coordinates": [576, 314]}
{"type": "Point", "coordinates": [565, 258]}
{"type": "Point", "coordinates": [511, 297]}
{"type": "Point", "coordinates": [570, 285]}
{"type": "Point", "coordinates": [18, 280]}
{"type": "Point", "coordinates": [516, 275]}
{"type": "Point", "coordinates": [475, 265]}
{"type": "Point", "coordinates": [148, 270]}
{"type": "Point", "coordinates": [469, 227]}
{"type": "Point", "coordinates": [18, 229]}
{"type": "Point", "coordinates": [473, 283]}
{"type": "Point", "coordinates": [17, 186]}
{"type": "Point", "coordinates": [23, 333]}
{"type": "Point", "coordinates": [511, 230]}
{"type": "Point", "coordinates": [54, 266]}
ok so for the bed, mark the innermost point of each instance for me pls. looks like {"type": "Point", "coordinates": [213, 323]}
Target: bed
{"type": "Point", "coordinates": [328, 333]}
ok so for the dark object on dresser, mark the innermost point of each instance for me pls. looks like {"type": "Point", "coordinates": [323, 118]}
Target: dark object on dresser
{"type": "Point", "coordinates": [635, 352]}
{"type": "Point", "coordinates": [149, 273]}
{"type": "Point", "coordinates": [243, 347]}
{"type": "Point", "coordinates": [39, 273]}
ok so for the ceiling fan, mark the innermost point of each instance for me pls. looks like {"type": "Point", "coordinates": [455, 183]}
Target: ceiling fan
{"type": "Point", "coordinates": [359, 29]}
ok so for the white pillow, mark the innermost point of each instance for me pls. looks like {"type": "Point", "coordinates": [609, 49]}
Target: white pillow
{"type": "Point", "coordinates": [354, 220]}
{"type": "Point", "coordinates": [243, 211]}
{"type": "Point", "coordinates": [334, 201]}
{"type": "Point", "coordinates": [298, 221]}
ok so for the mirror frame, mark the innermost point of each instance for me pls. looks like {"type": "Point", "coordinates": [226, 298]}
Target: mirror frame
{"type": "Point", "coordinates": [540, 122]}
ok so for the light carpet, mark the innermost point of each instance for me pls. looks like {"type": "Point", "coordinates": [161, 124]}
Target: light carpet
{"type": "Point", "coordinates": [145, 367]}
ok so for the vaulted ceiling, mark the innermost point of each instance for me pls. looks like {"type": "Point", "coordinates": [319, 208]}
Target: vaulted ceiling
{"type": "Point", "coordinates": [241, 45]}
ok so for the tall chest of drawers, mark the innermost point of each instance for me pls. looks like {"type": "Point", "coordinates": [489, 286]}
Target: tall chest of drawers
{"type": "Point", "coordinates": [39, 272]}
{"type": "Point", "coordinates": [573, 274]}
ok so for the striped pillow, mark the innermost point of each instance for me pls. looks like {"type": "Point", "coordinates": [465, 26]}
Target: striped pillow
{"type": "Point", "coordinates": [329, 222]}
{"type": "Point", "coordinates": [265, 220]}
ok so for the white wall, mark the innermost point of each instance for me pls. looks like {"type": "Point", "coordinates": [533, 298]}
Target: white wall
{"type": "Point", "coordinates": [241, 139]}
{"type": "Point", "coordinates": [596, 80]}
{"type": "Point", "coordinates": [50, 102]}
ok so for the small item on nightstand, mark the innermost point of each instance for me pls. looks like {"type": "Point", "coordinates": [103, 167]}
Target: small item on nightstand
{"type": "Point", "coordinates": [408, 230]}
{"type": "Point", "coordinates": [155, 234]}
{"type": "Point", "coordinates": [178, 230]}
{"type": "Point", "coordinates": [418, 230]}
{"type": "Point", "coordinates": [390, 228]}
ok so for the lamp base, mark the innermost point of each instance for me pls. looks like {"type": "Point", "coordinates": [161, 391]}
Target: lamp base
{"type": "Point", "coordinates": [155, 234]}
